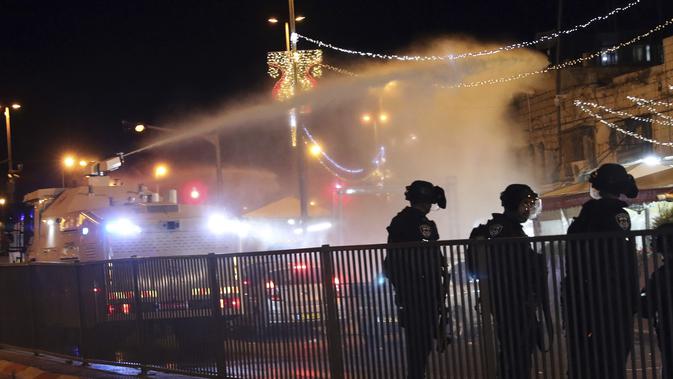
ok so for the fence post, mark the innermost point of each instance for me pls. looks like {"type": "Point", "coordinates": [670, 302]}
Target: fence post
{"type": "Point", "coordinates": [82, 313]}
{"type": "Point", "coordinates": [32, 280]}
{"type": "Point", "coordinates": [216, 311]}
{"type": "Point", "coordinates": [140, 330]}
{"type": "Point", "coordinates": [334, 346]}
{"type": "Point", "coordinates": [488, 337]}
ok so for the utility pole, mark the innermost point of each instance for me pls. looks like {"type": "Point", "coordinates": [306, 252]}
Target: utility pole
{"type": "Point", "coordinates": [557, 100]}
{"type": "Point", "coordinates": [299, 149]}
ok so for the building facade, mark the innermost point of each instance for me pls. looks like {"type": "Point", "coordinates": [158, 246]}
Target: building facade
{"type": "Point", "coordinates": [562, 151]}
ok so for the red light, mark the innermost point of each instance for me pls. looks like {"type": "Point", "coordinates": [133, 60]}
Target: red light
{"type": "Point", "coordinates": [194, 194]}
{"type": "Point", "coordinates": [245, 282]}
{"type": "Point", "coordinates": [110, 309]}
{"type": "Point", "coordinates": [338, 186]}
{"type": "Point", "coordinates": [300, 266]}
{"type": "Point", "coordinates": [126, 308]}
{"type": "Point", "coordinates": [96, 289]}
{"type": "Point", "coordinates": [234, 303]}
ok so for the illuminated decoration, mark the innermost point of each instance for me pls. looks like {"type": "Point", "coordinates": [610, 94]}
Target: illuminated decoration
{"type": "Point", "coordinates": [547, 69]}
{"type": "Point", "coordinates": [339, 170]}
{"type": "Point", "coordinates": [309, 68]}
{"type": "Point", "coordinates": [621, 113]}
{"type": "Point", "coordinates": [585, 107]}
{"type": "Point", "coordinates": [339, 70]}
{"type": "Point", "coordinates": [563, 65]}
{"type": "Point", "coordinates": [293, 127]}
{"type": "Point", "coordinates": [519, 45]}
{"type": "Point", "coordinates": [651, 105]}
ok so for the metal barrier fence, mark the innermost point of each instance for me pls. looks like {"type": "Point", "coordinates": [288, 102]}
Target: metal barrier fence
{"type": "Point", "coordinates": [517, 308]}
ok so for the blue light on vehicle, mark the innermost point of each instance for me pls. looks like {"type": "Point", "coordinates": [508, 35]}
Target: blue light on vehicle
{"type": "Point", "coordinates": [85, 231]}
{"type": "Point", "coordinates": [381, 280]}
{"type": "Point", "coordinates": [122, 227]}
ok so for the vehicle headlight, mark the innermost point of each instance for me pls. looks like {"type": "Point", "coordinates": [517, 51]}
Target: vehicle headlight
{"type": "Point", "coordinates": [123, 227]}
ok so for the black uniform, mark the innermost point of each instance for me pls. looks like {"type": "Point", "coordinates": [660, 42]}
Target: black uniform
{"type": "Point", "coordinates": [658, 305]}
{"type": "Point", "coordinates": [517, 287]}
{"type": "Point", "coordinates": [416, 276]}
{"type": "Point", "coordinates": [600, 292]}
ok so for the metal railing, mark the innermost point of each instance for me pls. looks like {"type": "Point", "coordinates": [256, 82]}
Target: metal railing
{"type": "Point", "coordinates": [537, 307]}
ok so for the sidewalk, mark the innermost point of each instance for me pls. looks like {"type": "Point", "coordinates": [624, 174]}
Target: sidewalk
{"type": "Point", "coordinates": [23, 365]}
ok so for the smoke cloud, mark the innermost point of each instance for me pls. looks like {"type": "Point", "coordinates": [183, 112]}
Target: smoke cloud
{"type": "Point", "coordinates": [462, 139]}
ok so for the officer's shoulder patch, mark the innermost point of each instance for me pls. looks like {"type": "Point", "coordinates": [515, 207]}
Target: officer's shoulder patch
{"type": "Point", "coordinates": [426, 230]}
{"type": "Point", "coordinates": [623, 220]}
{"type": "Point", "coordinates": [494, 229]}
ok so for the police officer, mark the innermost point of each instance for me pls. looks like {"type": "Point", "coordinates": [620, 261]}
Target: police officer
{"type": "Point", "coordinates": [516, 278]}
{"type": "Point", "coordinates": [416, 272]}
{"type": "Point", "coordinates": [600, 288]}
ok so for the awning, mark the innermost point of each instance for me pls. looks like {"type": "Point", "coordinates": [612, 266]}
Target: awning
{"type": "Point", "coordinates": [652, 180]}
{"type": "Point", "coordinates": [286, 208]}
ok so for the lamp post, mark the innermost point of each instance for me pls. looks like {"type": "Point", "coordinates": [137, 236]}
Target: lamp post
{"type": "Point", "coordinates": [213, 139]}
{"type": "Point", "coordinates": [10, 163]}
{"type": "Point", "coordinates": [296, 137]}
{"type": "Point", "coordinates": [68, 163]}
{"type": "Point", "coordinates": [160, 171]}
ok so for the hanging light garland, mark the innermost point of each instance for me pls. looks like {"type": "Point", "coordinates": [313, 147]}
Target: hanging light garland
{"type": "Point", "coordinates": [586, 108]}
{"type": "Point", "coordinates": [563, 65]}
{"type": "Point", "coordinates": [450, 57]}
{"type": "Point", "coordinates": [647, 104]}
{"type": "Point", "coordinates": [547, 69]}
{"type": "Point", "coordinates": [624, 114]}
{"type": "Point", "coordinates": [333, 164]}
{"type": "Point", "coordinates": [338, 70]}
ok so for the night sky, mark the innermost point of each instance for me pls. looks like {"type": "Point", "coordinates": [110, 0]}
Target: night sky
{"type": "Point", "coordinates": [80, 67]}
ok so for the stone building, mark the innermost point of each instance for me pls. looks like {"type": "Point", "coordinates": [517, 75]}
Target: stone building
{"type": "Point", "coordinates": [562, 153]}
{"type": "Point", "coordinates": [584, 142]}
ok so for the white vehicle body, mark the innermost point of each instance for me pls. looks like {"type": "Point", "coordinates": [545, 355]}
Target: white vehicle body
{"type": "Point", "coordinates": [101, 222]}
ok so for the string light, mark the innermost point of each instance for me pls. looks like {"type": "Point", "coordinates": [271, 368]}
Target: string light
{"type": "Point", "coordinates": [329, 159]}
{"type": "Point", "coordinates": [339, 70]}
{"type": "Point", "coordinates": [563, 65]}
{"type": "Point", "coordinates": [625, 114]}
{"type": "Point", "coordinates": [518, 45]}
{"type": "Point", "coordinates": [645, 103]}
{"type": "Point", "coordinates": [308, 64]}
{"type": "Point", "coordinates": [584, 107]}
{"type": "Point", "coordinates": [547, 69]}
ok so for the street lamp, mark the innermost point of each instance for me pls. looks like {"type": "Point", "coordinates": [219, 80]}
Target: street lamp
{"type": "Point", "coordinates": [315, 150]}
{"type": "Point", "coordinates": [68, 163]}
{"type": "Point", "coordinates": [291, 48]}
{"type": "Point", "coordinates": [10, 164]}
{"type": "Point", "coordinates": [213, 139]}
{"type": "Point", "coordinates": [3, 201]}
{"type": "Point", "coordinates": [160, 171]}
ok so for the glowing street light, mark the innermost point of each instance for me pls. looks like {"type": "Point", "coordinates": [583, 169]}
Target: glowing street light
{"type": "Point", "coordinates": [16, 106]}
{"type": "Point", "coordinates": [139, 128]}
{"type": "Point", "coordinates": [272, 20]}
{"type": "Point", "coordinates": [69, 161]}
{"type": "Point", "coordinates": [160, 171]}
{"type": "Point", "coordinates": [315, 150]}
{"type": "Point", "coordinates": [3, 201]}
{"type": "Point", "coordinates": [366, 118]}
{"type": "Point", "coordinates": [383, 117]}
{"type": "Point", "coordinates": [82, 163]}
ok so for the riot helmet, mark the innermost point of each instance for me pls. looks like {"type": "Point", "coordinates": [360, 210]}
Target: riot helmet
{"type": "Point", "coordinates": [421, 191]}
{"type": "Point", "coordinates": [612, 179]}
{"type": "Point", "coordinates": [521, 200]}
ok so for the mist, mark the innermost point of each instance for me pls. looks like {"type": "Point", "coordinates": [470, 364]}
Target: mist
{"type": "Point", "coordinates": [462, 139]}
